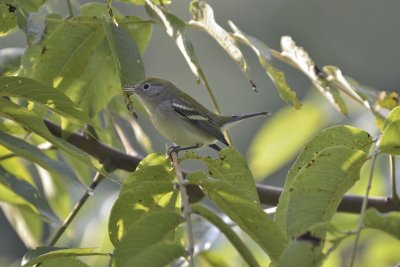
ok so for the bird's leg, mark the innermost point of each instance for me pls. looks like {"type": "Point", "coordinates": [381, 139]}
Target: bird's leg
{"type": "Point", "coordinates": [176, 149]}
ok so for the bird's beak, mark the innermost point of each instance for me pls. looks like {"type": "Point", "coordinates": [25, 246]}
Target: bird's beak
{"type": "Point", "coordinates": [130, 89]}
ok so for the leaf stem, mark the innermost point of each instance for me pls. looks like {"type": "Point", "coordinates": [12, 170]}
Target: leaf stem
{"type": "Point", "coordinates": [395, 196]}
{"type": "Point", "coordinates": [70, 11]}
{"type": "Point", "coordinates": [186, 210]}
{"type": "Point", "coordinates": [96, 181]}
{"type": "Point", "coordinates": [364, 207]}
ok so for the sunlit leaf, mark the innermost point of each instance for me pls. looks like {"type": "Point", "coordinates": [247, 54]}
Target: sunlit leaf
{"type": "Point", "coordinates": [315, 192]}
{"type": "Point", "coordinates": [232, 189]}
{"type": "Point", "coordinates": [302, 60]}
{"type": "Point", "coordinates": [388, 100]}
{"type": "Point", "coordinates": [343, 136]}
{"type": "Point", "coordinates": [41, 254]}
{"type": "Point", "coordinates": [33, 91]}
{"type": "Point", "coordinates": [148, 242]}
{"type": "Point", "coordinates": [27, 192]}
{"type": "Point", "coordinates": [203, 17]}
{"type": "Point", "coordinates": [264, 57]}
{"type": "Point", "coordinates": [386, 222]}
{"type": "Point", "coordinates": [150, 188]}
{"type": "Point", "coordinates": [36, 124]}
{"type": "Point", "coordinates": [393, 116]}
{"type": "Point", "coordinates": [389, 142]}
{"type": "Point", "coordinates": [293, 126]}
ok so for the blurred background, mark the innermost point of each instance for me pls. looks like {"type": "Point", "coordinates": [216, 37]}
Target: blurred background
{"type": "Point", "coordinates": [361, 38]}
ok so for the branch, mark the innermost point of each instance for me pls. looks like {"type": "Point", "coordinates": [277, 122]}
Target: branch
{"type": "Point", "coordinates": [269, 195]}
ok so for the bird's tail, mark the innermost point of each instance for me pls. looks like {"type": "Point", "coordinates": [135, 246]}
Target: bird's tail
{"type": "Point", "coordinates": [233, 119]}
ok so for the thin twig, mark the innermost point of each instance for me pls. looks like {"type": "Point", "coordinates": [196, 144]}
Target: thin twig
{"type": "Point", "coordinates": [364, 207]}
{"type": "Point", "coordinates": [392, 163]}
{"type": "Point", "coordinates": [96, 180]}
{"type": "Point", "coordinates": [70, 11]}
{"type": "Point", "coordinates": [185, 206]}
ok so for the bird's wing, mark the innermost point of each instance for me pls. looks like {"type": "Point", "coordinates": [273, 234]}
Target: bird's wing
{"type": "Point", "coordinates": [202, 121]}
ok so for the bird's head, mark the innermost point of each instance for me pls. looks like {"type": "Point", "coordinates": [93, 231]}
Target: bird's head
{"type": "Point", "coordinates": [151, 89]}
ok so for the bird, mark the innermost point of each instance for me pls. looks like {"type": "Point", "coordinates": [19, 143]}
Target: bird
{"type": "Point", "coordinates": [180, 118]}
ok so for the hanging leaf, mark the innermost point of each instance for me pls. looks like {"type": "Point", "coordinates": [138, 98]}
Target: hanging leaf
{"type": "Point", "coordinates": [393, 116]}
{"type": "Point", "coordinates": [389, 142]}
{"type": "Point", "coordinates": [337, 136]}
{"type": "Point", "coordinates": [315, 192]}
{"type": "Point", "coordinates": [149, 189]}
{"type": "Point", "coordinates": [36, 124]}
{"type": "Point", "coordinates": [232, 189]}
{"type": "Point", "coordinates": [63, 262]}
{"type": "Point", "coordinates": [203, 18]}
{"type": "Point", "coordinates": [148, 242]}
{"type": "Point", "coordinates": [33, 91]}
{"type": "Point", "coordinates": [298, 56]}
{"type": "Point", "coordinates": [264, 57]}
{"type": "Point", "coordinates": [301, 253]}
{"type": "Point", "coordinates": [175, 28]}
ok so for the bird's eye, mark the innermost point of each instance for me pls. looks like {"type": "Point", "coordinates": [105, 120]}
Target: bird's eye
{"type": "Point", "coordinates": [146, 86]}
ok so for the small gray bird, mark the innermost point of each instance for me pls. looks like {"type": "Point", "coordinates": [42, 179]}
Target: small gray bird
{"type": "Point", "coordinates": [180, 118]}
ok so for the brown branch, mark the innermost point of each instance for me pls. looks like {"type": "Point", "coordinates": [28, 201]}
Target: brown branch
{"type": "Point", "coordinates": [269, 195]}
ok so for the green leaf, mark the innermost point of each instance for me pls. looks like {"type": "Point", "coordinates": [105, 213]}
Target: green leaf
{"type": "Point", "coordinates": [386, 222]}
{"type": "Point", "coordinates": [63, 262]}
{"type": "Point", "coordinates": [389, 142]}
{"type": "Point", "coordinates": [298, 56]}
{"type": "Point", "coordinates": [148, 241]}
{"type": "Point", "coordinates": [150, 188]}
{"type": "Point", "coordinates": [28, 193]}
{"type": "Point", "coordinates": [125, 55]}
{"type": "Point", "coordinates": [264, 147]}
{"type": "Point", "coordinates": [203, 18]}
{"type": "Point", "coordinates": [231, 167]}
{"type": "Point", "coordinates": [42, 254]}
{"type": "Point", "coordinates": [342, 135]}
{"type": "Point", "coordinates": [388, 100]}
{"type": "Point", "coordinates": [140, 30]}
{"type": "Point", "coordinates": [36, 124]}
{"type": "Point", "coordinates": [175, 28]}
{"type": "Point", "coordinates": [264, 57]}
{"type": "Point", "coordinates": [227, 231]}
{"type": "Point", "coordinates": [89, 68]}
{"type": "Point", "coordinates": [393, 116]}
{"type": "Point", "coordinates": [10, 60]}
{"type": "Point", "coordinates": [53, 99]}
{"type": "Point", "coordinates": [315, 192]}
{"type": "Point", "coordinates": [301, 253]}
{"type": "Point", "coordinates": [232, 189]}
{"type": "Point", "coordinates": [8, 17]}
{"type": "Point", "coordinates": [210, 258]}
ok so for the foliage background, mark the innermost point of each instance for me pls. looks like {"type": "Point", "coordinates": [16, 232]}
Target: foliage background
{"type": "Point", "coordinates": [361, 38]}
